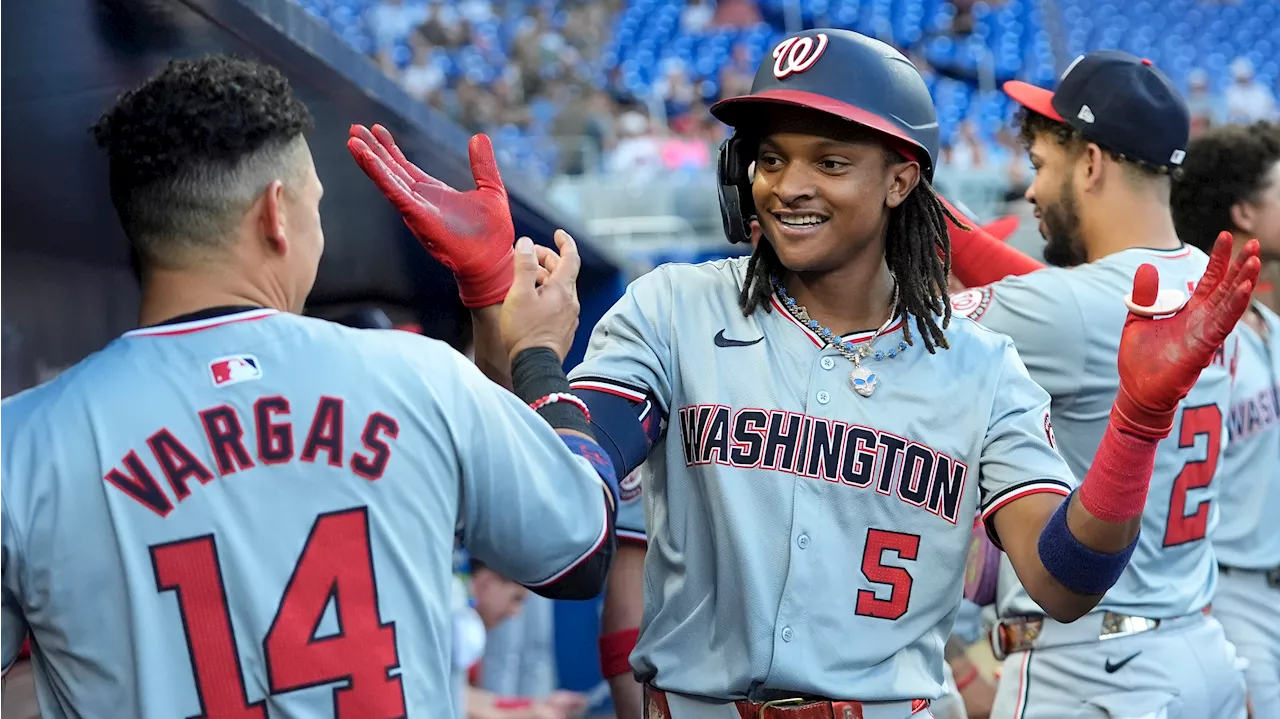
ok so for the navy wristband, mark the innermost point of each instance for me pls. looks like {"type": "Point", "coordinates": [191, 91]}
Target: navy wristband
{"type": "Point", "coordinates": [1078, 568]}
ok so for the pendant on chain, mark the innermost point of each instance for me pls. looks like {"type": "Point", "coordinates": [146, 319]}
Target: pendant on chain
{"type": "Point", "coordinates": [863, 380]}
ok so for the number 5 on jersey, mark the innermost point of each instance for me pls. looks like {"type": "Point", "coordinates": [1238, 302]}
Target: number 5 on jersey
{"type": "Point", "coordinates": [336, 565]}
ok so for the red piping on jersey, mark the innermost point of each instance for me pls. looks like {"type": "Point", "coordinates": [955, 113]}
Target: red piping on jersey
{"type": "Point", "coordinates": [608, 389]}
{"type": "Point", "coordinates": [186, 328]}
{"type": "Point", "coordinates": [1033, 488]}
{"type": "Point", "coordinates": [852, 338]}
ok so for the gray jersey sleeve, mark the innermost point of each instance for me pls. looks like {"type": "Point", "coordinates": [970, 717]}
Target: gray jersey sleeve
{"type": "Point", "coordinates": [530, 508]}
{"type": "Point", "coordinates": [630, 353]}
{"type": "Point", "coordinates": [1019, 456]}
{"type": "Point", "coordinates": [1041, 313]}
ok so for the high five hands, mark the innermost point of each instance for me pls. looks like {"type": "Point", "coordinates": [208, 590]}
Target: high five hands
{"type": "Point", "coordinates": [1160, 359]}
{"type": "Point", "coordinates": [471, 232]}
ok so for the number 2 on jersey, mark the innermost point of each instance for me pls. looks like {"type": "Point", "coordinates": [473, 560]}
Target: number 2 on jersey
{"type": "Point", "coordinates": [336, 565]}
{"type": "Point", "coordinates": [1206, 421]}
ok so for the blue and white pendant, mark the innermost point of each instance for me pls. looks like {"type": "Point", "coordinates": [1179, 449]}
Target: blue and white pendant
{"type": "Point", "coordinates": [863, 381]}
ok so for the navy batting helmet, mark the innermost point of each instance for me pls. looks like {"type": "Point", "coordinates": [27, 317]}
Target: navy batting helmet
{"type": "Point", "coordinates": [838, 72]}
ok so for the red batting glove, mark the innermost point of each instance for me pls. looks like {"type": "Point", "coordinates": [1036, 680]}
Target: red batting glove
{"type": "Point", "coordinates": [469, 232]}
{"type": "Point", "coordinates": [1160, 360]}
{"type": "Point", "coordinates": [978, 258]}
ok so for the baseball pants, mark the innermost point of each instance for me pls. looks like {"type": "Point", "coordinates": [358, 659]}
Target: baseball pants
{"type": "Point", "coordinates": [1249, 610]}
{"type": "Point", "coordinates": [1183, 669]}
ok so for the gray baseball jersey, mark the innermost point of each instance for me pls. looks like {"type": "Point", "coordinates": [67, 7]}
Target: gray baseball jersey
{"type": "Point", "coordinates": [1249, 535]}
{"type": "Point", "coordinates": [1066, 324]}
{"type": "Point", "coordinates": [803, 538]}
{"type": "Point", "coordinates": [256, 513]}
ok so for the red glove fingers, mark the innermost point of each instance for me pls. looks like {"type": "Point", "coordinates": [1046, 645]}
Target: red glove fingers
{"type": "Point", "coordinates": [978, 258]}
{"type": "Point", "coordinates": [1160, 360]}
{"type": "Point", "coordinates": [469, 232]}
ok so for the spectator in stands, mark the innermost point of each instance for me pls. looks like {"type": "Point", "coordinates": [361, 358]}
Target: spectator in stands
{"type": "Point", "coordinates": [676, 91]}
{"type": "Point", "coordinates": [695, 17]}
{"type": "Point", "coordinates": [736, 13]}
{"type": "Point", "coordinates": [737, 74]}
{"type": "Point", "coordinates": [1247, 100]}
{"type": "Point", "coordinates": [393, 20]}
{"type": "Point", "coordinates": [422, 78]}
{"type": "Point", "coordinates": [638, 152]}
{"type": "Point", "coordinates": [1204, 107]}
{"type": "Point", "coordinates": [966, 151]}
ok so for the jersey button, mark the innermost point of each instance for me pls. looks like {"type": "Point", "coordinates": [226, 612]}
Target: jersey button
{"type": "Point", "coordinates": [824, 397]}
{"type": "Point", "coordinates": [828, 362]}
{"type": "Point", "coordinates": [787, 634]}
{"type": "Point", "coordinates": [803, 541]}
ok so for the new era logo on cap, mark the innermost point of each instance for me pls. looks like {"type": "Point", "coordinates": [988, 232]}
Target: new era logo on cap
{"type": "Point", "coordinates": [226, 371]}
{"type": "Point", "coordinates": [1085, 114]}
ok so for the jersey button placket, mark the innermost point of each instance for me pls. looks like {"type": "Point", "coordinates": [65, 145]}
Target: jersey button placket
{"type": "Point", "coordinates": [828, 362]}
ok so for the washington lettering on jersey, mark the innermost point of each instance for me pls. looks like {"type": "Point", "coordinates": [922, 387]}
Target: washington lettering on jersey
{"type": "Point", "coordinates": [229, 437]}
{"type": "Point", "coordinates": [822, 448]}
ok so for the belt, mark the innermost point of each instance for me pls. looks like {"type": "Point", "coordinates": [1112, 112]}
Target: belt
{"type": "Point", "coordinates": [656, 706]}
{"type": "Point", "coordinates": [1016, 634]}
{"type": "Point", "coordinates": [1271, 575]}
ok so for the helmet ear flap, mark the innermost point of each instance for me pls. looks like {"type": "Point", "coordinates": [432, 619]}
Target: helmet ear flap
{"type": "Point", "coordinates": [736, 171]}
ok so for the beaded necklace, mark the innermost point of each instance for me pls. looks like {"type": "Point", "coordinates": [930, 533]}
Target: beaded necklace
{"type": "Point", "coordinates": [862, 380]}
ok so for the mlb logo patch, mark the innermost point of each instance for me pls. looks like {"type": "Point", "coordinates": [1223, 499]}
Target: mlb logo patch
{"type": "Point", "coordinates": [226, 371]}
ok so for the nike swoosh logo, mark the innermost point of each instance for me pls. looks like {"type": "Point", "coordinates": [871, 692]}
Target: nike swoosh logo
{"type": "Point", "coordinates": [722, 341]}
{"type": "Point", "coordinates": [1112, 668]}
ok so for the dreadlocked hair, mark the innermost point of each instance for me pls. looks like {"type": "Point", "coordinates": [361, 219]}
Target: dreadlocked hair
{"type": "Point", "coordinates": [918, 252]}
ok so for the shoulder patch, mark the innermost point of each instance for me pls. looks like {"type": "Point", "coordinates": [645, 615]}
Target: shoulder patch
{"type": "Point", "coordinates": [972, 303]}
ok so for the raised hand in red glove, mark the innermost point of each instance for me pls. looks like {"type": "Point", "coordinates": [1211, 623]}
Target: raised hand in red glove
{"type": "Point", "coordinates": [1160, 359]}
{"type": "Point", "coordinates": [469, 232]}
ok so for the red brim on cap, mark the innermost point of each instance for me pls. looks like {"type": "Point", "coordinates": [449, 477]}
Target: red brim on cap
{"type": "Point", "coordinates": [1002, 228]}
{"type": "Point", "coordinates": [733, 110]}
{"type": "Point", "coordinates": [1035, 99]}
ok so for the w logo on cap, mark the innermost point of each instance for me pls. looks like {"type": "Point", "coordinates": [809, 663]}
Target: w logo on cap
{"type": "Point", "coordinates": [797, 54]}
{"type": "Point", "coordinates": [231, 370]}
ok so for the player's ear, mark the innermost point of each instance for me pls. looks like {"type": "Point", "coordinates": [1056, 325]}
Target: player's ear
{"type": "Point", "coordinates": [903, 178]}
{"type": "Point", "coordinates": [272, 217]}
{"type": "Point", "coordinates": [1092, 164]}
{"type": "Point", "coordinates": [1244, 216]}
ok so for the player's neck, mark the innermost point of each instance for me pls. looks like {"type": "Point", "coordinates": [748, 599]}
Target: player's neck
{"type": "Point", "coordinates": [1142, 222]}
{"type": "Point", "coordinates": [172, 293]}
{"type": "Point", "coordinates": [850, 299]}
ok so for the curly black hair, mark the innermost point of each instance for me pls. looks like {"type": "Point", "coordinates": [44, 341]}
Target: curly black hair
{"type": "Point", "coordinates": [193, 144]}
{"type": "Point", "coordinates": [1032, 124]}
{"type": "Point", "coordinates": [1224, 166]}
{"type": "Point", "coordinates": [917, 250]}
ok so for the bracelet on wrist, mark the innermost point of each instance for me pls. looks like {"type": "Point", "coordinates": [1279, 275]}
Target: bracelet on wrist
{"type": "Point", "coordinates": [565, 397]}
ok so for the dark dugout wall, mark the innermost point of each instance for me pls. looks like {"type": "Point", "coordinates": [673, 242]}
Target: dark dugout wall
{"type": "Point", "coordinates": [66, 288]}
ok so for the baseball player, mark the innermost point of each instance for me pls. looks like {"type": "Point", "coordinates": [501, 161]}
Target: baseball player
{"type": "Point", "coordinates": [817, 435]}
{"type": "Point", "coordinates": [1103, 145]}
{"type": "Point", "coordinates": [236, 511]}
{"type": "Point", "coordinates": [1231, 181]}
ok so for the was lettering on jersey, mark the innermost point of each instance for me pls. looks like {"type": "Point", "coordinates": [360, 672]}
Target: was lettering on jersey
{"type": "Point", "coordinates": [827, 449]}
{"type": "Point", "coordinates": [1254, 414]}
{"type": "Point", "coordinates": [232, 442]}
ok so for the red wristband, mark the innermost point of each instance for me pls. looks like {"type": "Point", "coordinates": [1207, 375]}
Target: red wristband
{"type": "Point", "coordinates": [1115, 488]}
{"type": "Point", "coordinates": [967, 679]}
{"type": "Point", "coordinates": [512, 703]}
{"type": "Point", "coordinates": [615, 652]}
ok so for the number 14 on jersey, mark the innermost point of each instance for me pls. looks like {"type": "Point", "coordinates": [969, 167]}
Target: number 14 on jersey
{"type": "Point", "coordinates": [335, 566]}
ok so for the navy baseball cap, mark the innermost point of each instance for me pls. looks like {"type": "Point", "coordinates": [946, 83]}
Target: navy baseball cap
{"type": "Point", "coordinates": [1118, 101]}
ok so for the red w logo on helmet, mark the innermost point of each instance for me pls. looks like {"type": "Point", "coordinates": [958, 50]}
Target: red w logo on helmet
{"type": "Point", "coordinates": [797, 54]}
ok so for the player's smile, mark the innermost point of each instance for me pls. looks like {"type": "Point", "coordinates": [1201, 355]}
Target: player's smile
{"type": "Point", "coordinates": [797, 224]}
